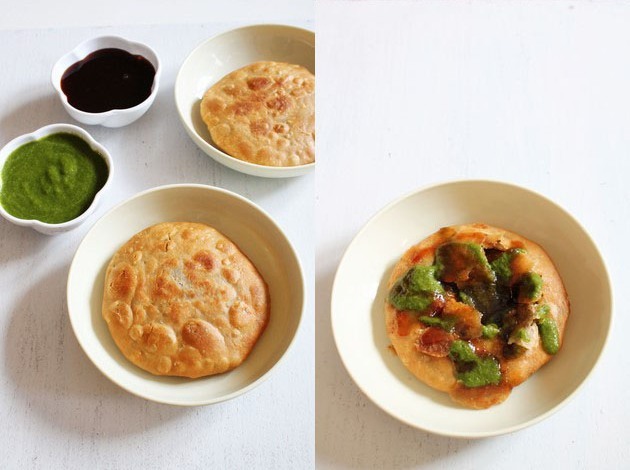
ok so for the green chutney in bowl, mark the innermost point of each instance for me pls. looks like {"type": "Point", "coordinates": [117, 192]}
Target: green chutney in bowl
{"type": "Point", "coordinates": [50, 179]}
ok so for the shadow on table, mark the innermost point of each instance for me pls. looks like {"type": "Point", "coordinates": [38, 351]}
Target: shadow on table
{"type": "Point", "coordinates": [351, 432]}
{"type": "Point", "coordinates": [56, 379]}
{"type": "Point", "coordinates": [30, 115]}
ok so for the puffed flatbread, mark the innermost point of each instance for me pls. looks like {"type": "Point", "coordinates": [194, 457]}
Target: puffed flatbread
{"type": "Point", "coordinates": [429, 359]}
{"type": "Point", "coordinates": [181, 299]}
{"type": "Point", "coordinates": [264, 113]}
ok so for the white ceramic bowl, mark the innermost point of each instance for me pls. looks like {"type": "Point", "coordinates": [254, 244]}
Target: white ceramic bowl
{"type": "Point", "coordinates": [360, 290]}
{"type": "Point", "coordinates": [222, 54]}
{"type": "Point", "coordinates": [115, 117]}
{"type": "Point", "coordinates": [43, 227]}
{"type": "Point", "coordinates": [256, 234]}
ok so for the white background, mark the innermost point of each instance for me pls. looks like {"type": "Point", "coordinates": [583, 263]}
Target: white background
{"type": "Point", "coordinates": [409, 93]}
{"type": "Point", "coordinates": [56, 409]}
{"type": "Point", "coordinates": [413, 93]}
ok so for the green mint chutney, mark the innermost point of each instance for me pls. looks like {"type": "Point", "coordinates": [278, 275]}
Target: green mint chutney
{"type": "Point", "coordinates": [53, 179]}
{"type": "Point", "coordinates": [472, 370]}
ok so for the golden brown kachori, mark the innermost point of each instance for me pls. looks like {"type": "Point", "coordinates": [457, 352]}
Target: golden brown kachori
{"type": "Point", "coordinates": [474, 310]}
{"type": "Point", "coordinates": [263, 113]}
{"type": "Point", "coordinates": [181, 299]}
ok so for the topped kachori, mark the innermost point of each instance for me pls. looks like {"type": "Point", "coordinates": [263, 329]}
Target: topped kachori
{"type": "Point", "coordinates": [474, 310]}
{"type": "Point", "coordinates": [264, 113]}
{"type": "Point", "coordinates": [181, 299]}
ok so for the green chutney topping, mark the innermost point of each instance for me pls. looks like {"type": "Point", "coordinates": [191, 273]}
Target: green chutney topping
{"type": "Point", "coordinates": [465, 298]}
{"type": "Point", "coordinates": [520, 334]}
{"type": "Point", "coordinates": [505, 296]}
{"type": "Point", "coordinates": [502, 266]}
{"type": "Point", "coordinates": [53, 179]}
{"type": "Point", "coordinates": [463, 262]}
{"type": "Point", "coordinates": [489, 331]}
{"type": "Point", "coordinates": [462, 351]}
{"type": "Point", "coordinates": [446, 322]}
{"type": "Point", "coordinates": [530, 287]}
{"type": "Point", "coordinates": [542, 311]}
{"type": "Point", "coordinates": [473, 370]}
{"type": "Point", "coordinates": [466, 266]}
{"type": "Point", "coordinates": [548, 330]}
{"type": "Point", "coordinates": [549, 335]}
{"type": "Point", "coordinates": [491, 299]}
{"type": "Point", "coordinates": [416, 290]}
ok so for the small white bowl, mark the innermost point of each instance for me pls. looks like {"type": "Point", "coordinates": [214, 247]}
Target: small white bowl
{"type": "Point", "coordinates": [360, 288]}
{"type": "Point", "coordinates": [222, 54]}
{"type": "Point", "coordinates": [246, 224]}
{"type": "Point", "coordinates": [114, 117]}
{"type": "Point", "coordinates": [43, 227]}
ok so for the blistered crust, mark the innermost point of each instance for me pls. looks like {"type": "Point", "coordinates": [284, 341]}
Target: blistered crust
{"type": "Point", "coordinates": [264, 113]}
{"type": "Point", "coordinates": [439, 372]}
{"type": "Point", "coordinates": [181, 299]}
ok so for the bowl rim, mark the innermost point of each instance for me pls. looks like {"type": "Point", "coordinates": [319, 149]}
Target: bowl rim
{"type": "Point", "coordinates": [40, 133]}
{"type": "Point", "coordinates": [248, 167]}
{"type": "Point", "coordinates": [56, 80]}
{"type": "Point", "coordinates": [229, 396]}
{"type": "Point", "coordinates": [452, 182]}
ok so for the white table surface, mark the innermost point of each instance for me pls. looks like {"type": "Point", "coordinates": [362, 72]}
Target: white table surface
{"type": "Point", "coordinates": [57, 409]}
{"type": "Point", "coordinates": [413, 93]}
{"type": "Point", "coordinates": [533, 93]}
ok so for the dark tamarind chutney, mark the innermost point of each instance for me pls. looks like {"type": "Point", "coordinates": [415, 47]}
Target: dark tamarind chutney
{"type": "Point", "coordinates": [108, 79]}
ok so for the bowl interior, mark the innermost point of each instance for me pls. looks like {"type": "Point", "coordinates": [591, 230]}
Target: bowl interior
{"type": "Point", "coordinates": [255, 234]}
{"type": "Point", "coordinates": [218, 56]}
{"type": "Point", "coordinates": [376, 249]}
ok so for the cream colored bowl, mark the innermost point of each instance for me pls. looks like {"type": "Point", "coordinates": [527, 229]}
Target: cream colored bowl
{"type": "Point", "coordinates": [360, 289]}
{"type": "Point", "coordinates": [222, 54]}
{"type": "Point", "coordinates": [256, 234]}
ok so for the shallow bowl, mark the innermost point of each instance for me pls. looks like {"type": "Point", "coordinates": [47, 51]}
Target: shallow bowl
{"type": "Point", "coordinates": [256, 234]}
{"type": "Point", "coordinates": [43, 227]}
{"type": "Point", "coordinates": [222, 54]}
{"type": "Point", "coordinates": [360, 288]}
{"type": "Point", "coordinates": [114, 117]}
